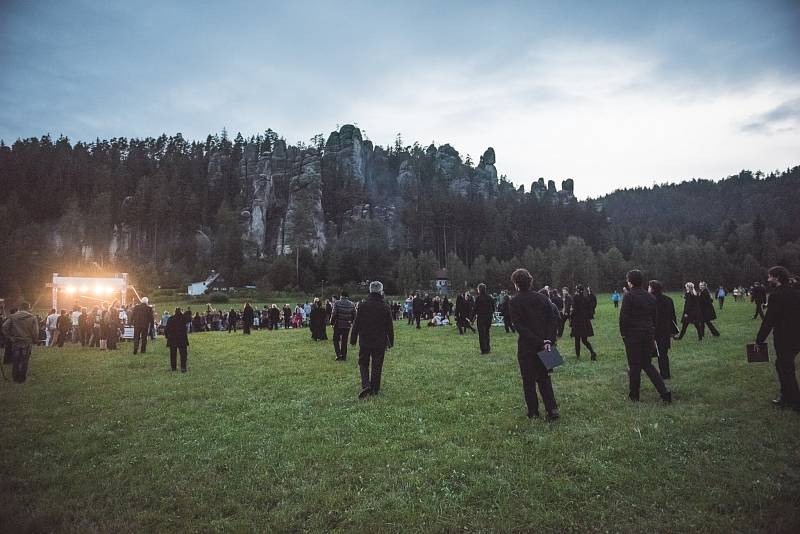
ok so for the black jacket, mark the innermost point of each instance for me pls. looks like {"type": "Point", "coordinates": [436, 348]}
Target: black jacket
{"type": "Point", "coordinates": [691, 309]}
{"type": "Point", "coordinates": [462, 308]}
{"type": "Point", "coordinates": [373, 323]}
{"type": "Point", "coordinates": [783, 319]}
{"type": "Point", "coordinates": [248, 315]}
{"type": "Point", "coordinates": [484, 306]}
{"type": "Point", "coordinates": [175, 331]}
{"type": "Point", "coordinates": [274, 315]}
{"type": "Point", "coordinates": [417, 305]}
{"type": "Point", "coordinates": [535, 320]}
{"type": "Point", "coordinates": [344, 311]}
{"type": "Point", "coordinates": [665, 321]}
{"type": "Point", "coordinates": [758, 294]}
{"type": "Point", "coordinates": [638, 314]}
{"type": "Point", "coordinates": [142, 316]}
{"type": "Point", "coordinates": [707, 311]}
{"type": "Point", "coordinates": [581, 317]}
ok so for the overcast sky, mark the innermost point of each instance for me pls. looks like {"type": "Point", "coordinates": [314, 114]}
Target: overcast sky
{"type": "Point", "coordinates": [613, 94]}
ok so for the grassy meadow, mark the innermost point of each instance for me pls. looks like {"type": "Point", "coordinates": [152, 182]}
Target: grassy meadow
{"type": "Point", "coordinates": [265, 433]}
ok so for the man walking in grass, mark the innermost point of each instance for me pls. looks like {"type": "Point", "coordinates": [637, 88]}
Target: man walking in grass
{"type": "Point", "coordinates": [21, 329]}
{"type": "Point", "coordinates": [373, 324]}
{"type": "Point", "coordinates": [342, 319]}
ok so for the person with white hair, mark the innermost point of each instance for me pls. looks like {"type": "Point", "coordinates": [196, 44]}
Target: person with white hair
{"type": "Point", "coordinates": [374, 325]}
{"type": "Point", "coordinates": [142, 321]}
{"type": "Point", "coordinates": [691, 312]}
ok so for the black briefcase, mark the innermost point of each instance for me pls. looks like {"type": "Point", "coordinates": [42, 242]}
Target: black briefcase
{"type": "Point", "coordinates": [760, 355]}
{"type": "Point", "coordinates": [550, 358]}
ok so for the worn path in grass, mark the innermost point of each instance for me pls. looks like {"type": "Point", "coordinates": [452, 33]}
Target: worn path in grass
{"type": "Point", "coordinates": [265, 433]}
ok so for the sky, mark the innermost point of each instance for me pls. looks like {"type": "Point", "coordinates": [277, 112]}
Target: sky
{"type": "Point", "coordinates": [612, 94]}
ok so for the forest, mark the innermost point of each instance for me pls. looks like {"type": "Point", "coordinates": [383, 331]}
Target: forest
{"type": "Point", "coordinates": [168, 210]}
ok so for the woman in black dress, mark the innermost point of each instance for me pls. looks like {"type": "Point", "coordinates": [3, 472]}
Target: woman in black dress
{"type": "Point", "coordinates": [691, 312]}
{"type": "Point", "coordinates": [581, 322]}
{"type": "Point", "coordinates": [317, 321]}
{"type": "Point", "coordinates": [707, 311]}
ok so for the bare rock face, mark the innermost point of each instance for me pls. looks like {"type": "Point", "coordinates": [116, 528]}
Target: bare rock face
{"type": "Point", "coordinates": [304, 222]}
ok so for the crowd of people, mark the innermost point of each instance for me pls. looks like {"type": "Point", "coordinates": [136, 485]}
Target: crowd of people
{"type": "Point", "coordinates": [647, 323]}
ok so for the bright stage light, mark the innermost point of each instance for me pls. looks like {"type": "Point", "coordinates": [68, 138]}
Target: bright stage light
{"type": "Point", "coordinates": [84, 289]}
{"type": "Point", "coordinates": [70, 290]}
{"type": "Point", "coordinates": [98, 290]}
{"type": "Point", "coordinates": [109, 290]}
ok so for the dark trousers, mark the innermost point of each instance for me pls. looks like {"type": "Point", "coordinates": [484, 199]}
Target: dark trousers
{"type": "Point", "coordinates": [759, 311]}
{"type": "Point", "coordinates": [410, 316]}
{"type": "Point", "coordinates": [484, 326]}
{"type": "Point", "coordinates": [507, 324]}
{"type": "Point", "coordinates": [721, 302]}
{"type": "Point", "coordinates": [535, 374]}
{"type": "Point", "coordinates": [246, 328]}
{"type": "Point", "coordinates": [8, 352]}
{"type": "Point", "coordinates": [585, 341]}
{"type": "Point", "coordinates": [62, 335]}
{"type": "Point", "coordinates": [417, 318]}
{"type": "Point", "coordinates": [85, 335]}
{"type": "Point", "coordinates": [20, 355]}
{"type": "Point", "coordinates": [372, 381]}
{"type": "Point", "coordinates": [287, 322]}
{"type": "Point", "coordinates": [784, 364]}
{"type": "Point", "coordinates": [711, 328]}
{"type": "Point", "coordinates": [639, 351]}
{"type": "Point", "coordinates": [139, 335]}
{"type": "Point", "coordinates": [173, 357]}
{"type": "Point", "coordinates": [701, 329]}
{"type": "Point", "coordinates": [340, 336]}
{"type": "Point", "coordinates": [562, 324]}
{"type": "Point", "coordinates": [662, 348]}
{"type": "Point", "coordinates": [616, 304]}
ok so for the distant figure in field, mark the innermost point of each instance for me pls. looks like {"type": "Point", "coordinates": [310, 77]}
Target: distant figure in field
{"type": "Point", "coordinates": [666, 326]}
{"type": "Point", "coordinates": [51, 326]}
{"type": "Point", "coordinates": [721, 294]}
{"type": "Point", "coordinates": [566, 310]}
{"type": "Point", "coordinates": [342, 316]}
{"type": "Point", "coordinates": [287, 316]}
{"type": "Point", "coordinates": [536, 322]}
{"type": "Point", "coordinates": [707, 312]}
{"type": "Point", "coordinates": [316, 321]}
{"type": "Point", "coordinates": [177, 340]}
{"type": "Point", "coordinates": [233, 321]}
{"type": "Point", "coordinates": [691, 312]}
{"type": "Point", "coordinates": [637, 325]}
{"type": "Point", "coordinates": [758, 295]}
{"type": "Point", "coordinates": [504, 303]}
{"type": "Point", "coordinates": [374, 326]}
{"type": "Point", "coordinates": [592, 300]}
{"type": "Point", "coordinates": [274, 316]}
{"type": "Point", "coordinates": [484, 312]}
{"type": "Point", "coordinates": [615, 298]}
{"type": "Point", "coordinates": [783, 320]}
{"type": "Point", "coordinates": [21, 330]}
{"type": "Point", "coordinates": [63, 324]}
{"type": "Point", "coordinates": [417, 308]}
{"type": "Point", "coordinates": [581, 322]}
{"type": "Point", "coordinates": [142, 322]}
{"type": "Point", "coordinates": [248, 315]}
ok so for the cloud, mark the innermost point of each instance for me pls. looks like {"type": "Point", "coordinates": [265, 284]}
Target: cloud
{"type": "Point", "coordinates": [780, 119]}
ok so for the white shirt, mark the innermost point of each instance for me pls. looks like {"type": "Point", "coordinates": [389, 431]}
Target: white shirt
{"type": "Point", "coordinates": [52, 321]}
{"type": "Point", "coordinates": [76, 318]}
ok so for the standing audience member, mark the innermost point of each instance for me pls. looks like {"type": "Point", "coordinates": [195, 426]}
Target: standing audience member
{"type": "Point", "coordinates": [142, 322]}
{"type": "Point", "coordinates": [316, 321]}
{"type": "Point", "coordinates": [758, 295]}
{"type": "Point", "coordinates": [637, 325]}
{"type": "Point", "coordinates": [581, 323]}
{"type": "Point", "coordinates": [504, 300]}
{"type": "Point", "coordinates": [615, 298]}
{"type": "Point", "coordinates": [783, 320]}
{"type": "Point", "coordinates": [342, 316]}
{"type": "Point", "coordinates": [233, 321]}
{"type": "Point", "coordinates": [287, 316]}
{"type": "Point", "coordinates": [51, 325]}
{"type": "Point", "coordinates": [374, 325]}
{"type": "Point", "coordinates": [484, 313]}
{"type": "Point", "coordinates": [21, 329]}
{"type": "Point", "coordinates": [63, 324]}
{"type": "Point", "coordinates": [417, 308]}
{"type": "Point", "coordinates": [248, 315]}
{"type": "Point", "coordinates": [177, 340]}
{"type": "Point", "coordinates": [721, 296]}
{"type": "Point", "coordinates": [666, 326]}
{"type": "Point", "coordinates": [536, 322]}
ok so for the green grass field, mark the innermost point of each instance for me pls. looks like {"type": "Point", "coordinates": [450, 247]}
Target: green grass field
{"type": "Point", "coordinates": [265, 433]}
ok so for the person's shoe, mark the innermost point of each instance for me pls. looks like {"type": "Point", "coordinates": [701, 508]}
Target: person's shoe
{"type": "Point", "coordinates": [552, 416]}
{"type": "Point", "coordinates": [174, 369]}
{"type": "Point", "coordinates": [594, 356]}
{"type": "Point", "coordinates": [632, 397]}
{"type": "Point", "coordinates": [365, 393]}
{"type": "Point", "coordinates": [533, 415]}
{"type": "Point", "coordinates": [779, 402]}
{"type": "Point", "coordinates": [677, 338]}
{"type": "Point", "coordinates": [184, 370]}
{"type": "Point", "coordinates": [667, 397]}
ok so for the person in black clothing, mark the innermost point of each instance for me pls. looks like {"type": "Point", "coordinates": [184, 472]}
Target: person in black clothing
{"type": "Point", "coordinates": [783, 320]}
{"type": "Point", "coordinates": [504, 300]}
{"type": "Point", "coordinates": [691, 312]}
{"type": "Point", "coordinates": [248, 315]}
{"type": "Point", "coordinates": [287, 316]}
{"type": "Point", "coordinates": [707, 311]}
{"type": "Point", "coordinates": [581, 322]}
{"type": "Point", "coordinates": [666, 326]}
{"type": "Point", "coordinates": [462, 314]}
{"type": "Point", "coordinates": [274, 316]}
{"type": "Point", "coordinates": [427, 306]}
{"type": "Point", "coordinates": [177, 339]}
{"type": "Point", "coordinates": [344, 311]}
{"type": "Point", "coordinates": [63, 325]}
{"type": "Point", "coordinates": [374, 325]}
{"type": "Point", "coordinates": [417, 308]}
{"type": "Point", "coordinates": [316, 321]}
{"type": "Point", "coordinates": [484, 312]}
{"type": "Point", "coordinates": [142, 321]}
{"type": "Point", "coordinates": [536, 322]}
{"type": "Point", "coordinates": [592, 300]}
{"type": "Point", "coordinates": [637, 324]}
{"type": "Point", "coordinates": [233, 321]}
{"type": "Point", "coordinates": [758, 295]}
{"type": "Point", "coordinates": [566, 310]}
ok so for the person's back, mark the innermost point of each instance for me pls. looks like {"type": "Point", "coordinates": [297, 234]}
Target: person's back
{"type": "Point", "coordinates": [142, 315]}
{"type": "Point", "coordinates": [373, 323]}
{"type": "Point", "coordinates": [533, 317]}
{"type": "Point", "coordinates": [783, 317]}
{"type": "Point", "coordinates": [484, 306]}
{"type": "Point", "coordinates": [581, 308]}
{"type": "Point", "coordinates": [665, 316]}
{"type": "Point", "coordinates": [21, 328]}
{"type": "Point", "coordinates": [344, 312]}
{"type": "Point", "coordinates": [638, 314]}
